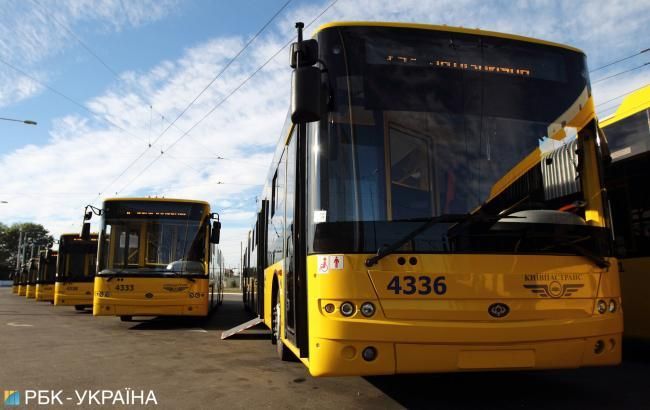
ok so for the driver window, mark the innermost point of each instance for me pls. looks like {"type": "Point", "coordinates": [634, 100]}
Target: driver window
{"type": "Point", "coordinates": [410, 170]}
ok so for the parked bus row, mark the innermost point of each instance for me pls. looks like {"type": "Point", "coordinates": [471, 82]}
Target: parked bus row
{"type": "Point", "coordinates": [152, 257]}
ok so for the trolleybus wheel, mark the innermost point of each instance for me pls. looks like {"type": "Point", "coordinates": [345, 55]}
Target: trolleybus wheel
{"type": "Point", "coordinates": [79, 307]}
{"type": "Point", "coordinates": [283, 352]}
{"type": "Point", "coordinates": [126, 318]}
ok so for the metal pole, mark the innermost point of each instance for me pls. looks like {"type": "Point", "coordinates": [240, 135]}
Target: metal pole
{"type": "Point", "coordinates": [18, 254]}
{"type": "Point", "coordinates": [241, 267]}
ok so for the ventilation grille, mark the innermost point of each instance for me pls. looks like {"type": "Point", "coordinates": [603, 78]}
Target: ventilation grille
{"type": "Point", "coordinates": [559, 171]}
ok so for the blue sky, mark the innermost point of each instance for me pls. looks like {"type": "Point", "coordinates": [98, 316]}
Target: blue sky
{"type": "Point", "coordinates": [164, 52]}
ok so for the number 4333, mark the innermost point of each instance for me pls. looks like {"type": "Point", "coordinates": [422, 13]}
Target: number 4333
{"type": "Point", "coordinates": [422, 285]}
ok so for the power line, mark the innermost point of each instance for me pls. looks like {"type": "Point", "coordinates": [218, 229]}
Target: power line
{"type": "Point", "coordinates": [223, 100]}
{"type": "Point", "coordinates": [70, 99]}
{"type": "Point", "coordinates": [111, 70]}
{"type": "Point", "coordinates": [619, 60]}
{"type": "Point", "coordinates": [621, 73]}
{"type": "Point", "coordinates": [622, 95]}
{"type": "Point", "coordinates": [66, 28]}
{"type": "Point", "coordinates": [220, 73]}
{"type": "Point", "coordinates": [172, 123]}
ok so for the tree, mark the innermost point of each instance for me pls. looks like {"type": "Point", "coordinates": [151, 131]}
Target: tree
{"type": "Point", "coordinates": [9, 236]}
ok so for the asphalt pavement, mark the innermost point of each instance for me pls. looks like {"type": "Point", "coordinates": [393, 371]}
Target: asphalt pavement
{"type": "Point", "coordinates": [185, 364]}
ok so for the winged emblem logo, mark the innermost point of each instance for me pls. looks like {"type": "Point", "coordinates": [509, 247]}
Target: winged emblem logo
{"type": "Point", "coordinates": [175, 288]}
{"type": "Point", "coordinates": [554, 289]}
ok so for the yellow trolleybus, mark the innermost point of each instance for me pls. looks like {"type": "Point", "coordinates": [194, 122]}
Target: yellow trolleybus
{"type": "Point", "coordinates": [32, 274]}
{"type": "Point", "coordinates": [22, 280]}
{"type": "Point", "coordinates": [157, 257]}
{"type": "Point", "coordinates": [75, 271]}
{"type": "Point", "coordinates": [45, 277]}
{"type": "Point", "coordinates": [435, 204]}
{"type": "Point", "coordinates": [628, 134]}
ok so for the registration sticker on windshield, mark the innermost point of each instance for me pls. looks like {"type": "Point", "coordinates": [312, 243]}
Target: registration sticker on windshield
{"type": "Point", "coordinates": [327, 263]}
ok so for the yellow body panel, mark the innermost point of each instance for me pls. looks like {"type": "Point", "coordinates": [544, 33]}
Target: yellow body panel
{"type": "Point", "coordinates": [30, 291]}
{"type": "Point", "coordinates": [453, 331]}
{"type": "Point", "coordinates": [443, 28]}
{"type": "Point", "coordinates": [73, 293]}
{"type": "Point", "coordinates": [635, 276]}
{"type": "Point", "coordinates": [45, 292]}
{"type": "Point", "coordinates": [129, 296]}
{"type": "Point", "coordinates": [635, 284]}
{"type": "Point", "coordinates": [22, 290]}
{"type": "Point", "coordinates": [273, 272]}
{"type": "Point", "coordinates": [633, 103]}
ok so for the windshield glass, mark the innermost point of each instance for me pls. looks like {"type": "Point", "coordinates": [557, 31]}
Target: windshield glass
{"type": "Point", "coordinates": [150, 237]}
{"type": "Point", "coordinates": [77, 258]}
{"type": "Point", "coordinates": [425, 123]}
{"type": "Point", "coordinates": [47, 268]}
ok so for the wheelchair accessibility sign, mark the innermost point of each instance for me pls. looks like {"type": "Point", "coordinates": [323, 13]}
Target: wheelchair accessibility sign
{"type": "Point", "coordinates": [327, 263]}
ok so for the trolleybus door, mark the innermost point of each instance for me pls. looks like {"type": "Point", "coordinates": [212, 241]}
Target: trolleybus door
{"type": "Point", "coordinates": [290, 260]}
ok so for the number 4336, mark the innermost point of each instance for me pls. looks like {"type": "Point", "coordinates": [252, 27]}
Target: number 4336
{"type": "Point", "coordinates": [422, 285]}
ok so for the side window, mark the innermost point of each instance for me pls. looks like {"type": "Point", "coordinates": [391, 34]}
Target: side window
{"type": "Point", "coordinates": [274, 189]}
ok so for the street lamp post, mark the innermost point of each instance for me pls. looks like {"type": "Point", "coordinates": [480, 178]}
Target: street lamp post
{"type": "Point", "coordinates": [28, 122]}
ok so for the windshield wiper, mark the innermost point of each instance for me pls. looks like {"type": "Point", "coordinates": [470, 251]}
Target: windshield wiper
{"type": "Point", "coordinates": [114, 274]}
{"type": "Point", "coordinates": [428, 223]}
{"type": "Point", "coordinates": [584, 252]}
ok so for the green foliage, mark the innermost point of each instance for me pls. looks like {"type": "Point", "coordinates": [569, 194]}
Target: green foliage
{"type": "Point", "coordinates": [9, 241]}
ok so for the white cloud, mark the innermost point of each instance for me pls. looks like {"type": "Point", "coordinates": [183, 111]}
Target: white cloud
{"type": "Point", "coordinates": [51, 183]}
{"type": "Point", "coordinates": [32, 31]}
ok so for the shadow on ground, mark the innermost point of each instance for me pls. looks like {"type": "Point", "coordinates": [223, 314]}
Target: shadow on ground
{"type": "Point", "coordinates": [592, 388]}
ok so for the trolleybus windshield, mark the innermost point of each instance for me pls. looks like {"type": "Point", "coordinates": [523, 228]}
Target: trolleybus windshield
{"type": "Point", "coordinates": [423, 123]}
{"type": "Point", "coordinates": [153, 238]}
{"type": "Point", "coordinates": [77, 259]}
{"type": "Point", "coordinates": [47, 268]}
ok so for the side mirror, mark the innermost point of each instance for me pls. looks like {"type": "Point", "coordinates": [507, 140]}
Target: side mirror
{"type": "Point", "coordinates": [85, 231]}
{"type": "Point", "coordinates": [306, 104]}
{"type": "Point", "coordinates": [215, 234]}
{"type": "Point", "coordinates": [304, 53]}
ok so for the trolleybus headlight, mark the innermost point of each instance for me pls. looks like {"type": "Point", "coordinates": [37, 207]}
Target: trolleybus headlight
{"type": "Point", "coordinates": [369, 354]}
{"type": "Point", "coordinates": [602, 306]}
{"type": "Point", "coordinates": [367, 309]}
{"type": "Point", "coordinates": [347, 309]}
{"type": "Point", "coordinates": [329, 308]}
{"type": "Point", "coordinates": [612, 306]}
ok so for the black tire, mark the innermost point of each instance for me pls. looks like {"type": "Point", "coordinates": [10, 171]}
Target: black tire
{"type": "Point", "coordinates": [126, 318]}
{"type": "Point", "coordinates": [283, 352]}
{"type": "Point", "coordinates": [79, 308]}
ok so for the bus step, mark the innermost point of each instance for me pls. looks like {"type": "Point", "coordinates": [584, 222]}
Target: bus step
{"type": "Point", "coordinates": [241, 328]}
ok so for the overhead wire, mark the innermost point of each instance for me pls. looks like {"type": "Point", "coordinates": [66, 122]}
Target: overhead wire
{"type": "Point", "coordinates": [70, 99]}
{"type": "Point", "coordinates": [619, 60]}
{"type": "Point", "coordinates": [220, 73]}
{"type": "Point", "coordinates": [621, 73]}
{"type": "Point", "coordinates": [172, 123]}
{"type": "Point", "coordinates": [224, 99]}
{"type": "Point", "coordinates": [617, 97]}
